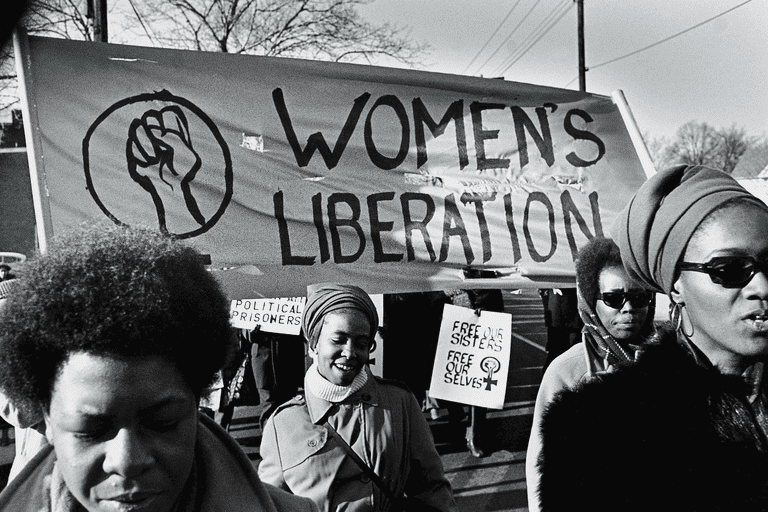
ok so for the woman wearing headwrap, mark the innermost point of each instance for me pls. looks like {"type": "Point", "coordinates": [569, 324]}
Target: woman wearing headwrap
{"type": "Point", "coordinates": [618, 319]}
{"type": "Point", "coordinates": [684, 428]}
{"type": "Point", "coordinates": [381, 420]}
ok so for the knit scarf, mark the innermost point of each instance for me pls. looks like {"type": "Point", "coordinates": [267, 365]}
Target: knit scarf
{"type": "Point", "coordinates": [322, 388]}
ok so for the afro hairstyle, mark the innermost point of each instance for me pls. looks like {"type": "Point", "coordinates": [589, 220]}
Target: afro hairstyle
{"type": "Point", "coordinates": [112, 291]}
{"type": "Point", "coordinates": [598, 254]}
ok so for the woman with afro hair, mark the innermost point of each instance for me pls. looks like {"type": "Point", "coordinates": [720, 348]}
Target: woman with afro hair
{"type": "Point", "coordinates": [114, 333]}
{"type": "Point", "coordinates": [618, 319]}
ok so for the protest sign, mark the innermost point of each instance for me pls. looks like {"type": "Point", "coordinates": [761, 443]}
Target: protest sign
{"type": "Point", "coordinates": [289, 172]}
{"type": "Point", "coordinates": [472, 358]}
{"type": "Point", "coordinates": [281, 315]}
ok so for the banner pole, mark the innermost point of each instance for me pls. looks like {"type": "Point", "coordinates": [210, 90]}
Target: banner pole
{"type": "Point", "coordinates": [43, 221]}
{"type": "Point", "coordinates": [634, 133]}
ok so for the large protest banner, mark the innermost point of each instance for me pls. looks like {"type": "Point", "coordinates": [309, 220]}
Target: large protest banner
{"type": "Point", "coordinates": [288, 172]}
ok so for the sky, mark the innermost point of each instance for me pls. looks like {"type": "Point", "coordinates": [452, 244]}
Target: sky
{"type": "Point", "coordinates": [715, 73]}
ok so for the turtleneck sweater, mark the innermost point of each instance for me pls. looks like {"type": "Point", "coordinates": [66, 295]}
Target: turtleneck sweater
{"type": "Point", "coordinates": [323, 388]}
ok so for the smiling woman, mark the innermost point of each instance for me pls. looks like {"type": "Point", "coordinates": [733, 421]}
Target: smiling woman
{"type": "Point", "coordinates": [113, 334]}
{"type": "Point", "coordinates": [363, 440]}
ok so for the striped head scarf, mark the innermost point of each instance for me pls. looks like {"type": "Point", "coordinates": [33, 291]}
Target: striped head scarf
{"type": "Point", "coordinates": [324, 298]}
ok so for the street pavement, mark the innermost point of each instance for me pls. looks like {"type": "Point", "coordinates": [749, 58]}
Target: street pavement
{"type": "Point", "coordinates": [495, 483]}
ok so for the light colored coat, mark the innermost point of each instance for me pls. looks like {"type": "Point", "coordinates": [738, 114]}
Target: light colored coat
{"type": "Point", "coordinates": [566, 370]}
{"type": "Point", "coordinates": [29, 433]}
{"type": "Point", "coordinates": [385, 426]}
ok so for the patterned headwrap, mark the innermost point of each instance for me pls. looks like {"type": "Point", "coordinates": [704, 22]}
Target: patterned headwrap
{"type": "Point", "coordinates": [603, 350]}
{"type": "Point", "coordinates": [326, 297]}
{"type": "Point", "coordinates": [654, 228]}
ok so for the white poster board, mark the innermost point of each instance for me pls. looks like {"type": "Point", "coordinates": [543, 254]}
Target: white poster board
{"type": "Point", "coordinates": [472, 359]}
{"type": "Point", "coordinates": [281, 315]}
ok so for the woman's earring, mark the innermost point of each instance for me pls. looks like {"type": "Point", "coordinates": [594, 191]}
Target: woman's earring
{"type": "Point", "coordinates": [676, 318]}
{"type": "Point", "coordinates": [675, 315]}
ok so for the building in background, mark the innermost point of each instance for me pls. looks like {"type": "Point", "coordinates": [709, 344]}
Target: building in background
{"type": "Point", "coordinates": [17, 214]}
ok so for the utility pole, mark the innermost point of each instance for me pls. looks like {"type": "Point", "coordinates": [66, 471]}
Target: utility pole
{"type": "Point", "coordinates": [582, 63]}
{"type": "Point", "coordinates": [97, 11]}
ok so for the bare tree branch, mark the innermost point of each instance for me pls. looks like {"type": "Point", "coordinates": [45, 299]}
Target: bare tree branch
{"type": "Point", "coordinates": [698, 143]}
{"type": "Point", "coordinates": [317, 29]}
{"type": "Point", "coordinates": [734, 143]}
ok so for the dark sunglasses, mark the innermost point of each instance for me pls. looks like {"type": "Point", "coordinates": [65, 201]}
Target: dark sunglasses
{"type": "Point", "coordinates": [728, 271]}
{"type": "Point", "coordinates": [616, 300]}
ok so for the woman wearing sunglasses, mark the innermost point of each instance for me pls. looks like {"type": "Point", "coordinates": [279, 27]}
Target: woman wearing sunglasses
{"type": "Point", "coordinates": [684, 428]}
{"type": "Point", "coordinates": [618, 319]}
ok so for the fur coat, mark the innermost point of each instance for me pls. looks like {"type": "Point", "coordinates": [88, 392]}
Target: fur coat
{"type": "Point", "coordinates": [663, 434]}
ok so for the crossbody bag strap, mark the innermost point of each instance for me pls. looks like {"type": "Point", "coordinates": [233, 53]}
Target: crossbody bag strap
{"type": "Point", "coordinates": [376, 479]}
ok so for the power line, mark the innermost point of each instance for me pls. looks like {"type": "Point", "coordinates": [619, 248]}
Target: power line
{"type": "Point", "coordinates": [531, 35]}
{"type": "Point", "coordinates": [501, 45]}
{"type": "Point", "coordinates": [573, 80]}
{"type": "Point", "coordinates": [141, 22]}
{"type": "Point", "coordinates": [665, 39]}
{"type": "Point", "coordinates": [537, 39]}
{"type": "Point", "coordinates": [491, 37]}
{"type": "Point", "coordinates": [534, 37]}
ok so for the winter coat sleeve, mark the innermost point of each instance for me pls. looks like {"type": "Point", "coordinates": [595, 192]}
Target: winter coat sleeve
{"type": "Point", "coordinates": [426, 481]}
{"type": "Point", "coordinates": [565, 371]}
{"type": "Point", "coordinates": [270, 467]}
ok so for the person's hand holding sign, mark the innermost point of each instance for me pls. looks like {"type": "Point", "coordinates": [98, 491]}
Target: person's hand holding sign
{"type": "Point", "coordinates": [161, 158]}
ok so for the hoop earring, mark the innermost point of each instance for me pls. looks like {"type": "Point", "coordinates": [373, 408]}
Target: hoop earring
{"type": "Point", "coordinates": [675, 315]}
{"type": "Point", "coordinates": [676, 318]}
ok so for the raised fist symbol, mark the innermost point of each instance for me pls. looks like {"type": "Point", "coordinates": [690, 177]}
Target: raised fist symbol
{"type": "Point", "coordinates": [162, 160]}
{"type": "Point", "coordinates": [186, 186]}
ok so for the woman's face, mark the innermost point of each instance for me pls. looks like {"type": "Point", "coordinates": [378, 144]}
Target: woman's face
{"type": "Point", "coordinates": [730, 325]}
{"type": "Point", "coordinates": [623, 323]}
{"type": "Point", "coordinates": [343, 346]}
{"type": "Point", "coordinates": [123, 431]}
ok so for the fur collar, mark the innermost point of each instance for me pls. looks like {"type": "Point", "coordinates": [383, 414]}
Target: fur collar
{"type": "Point", "coordinates": [663, 434]}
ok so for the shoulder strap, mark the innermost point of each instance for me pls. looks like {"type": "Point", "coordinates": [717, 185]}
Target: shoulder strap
{"type": "Point", "coordinates": [376, 479]}
{"type": "Point", "coordinates": [392, 382]}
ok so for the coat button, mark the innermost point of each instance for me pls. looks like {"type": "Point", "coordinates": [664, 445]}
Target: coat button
{"type": "Point", "coordinates": [312, 443]}
{"type": "Point", "coordinates": [365, 479]}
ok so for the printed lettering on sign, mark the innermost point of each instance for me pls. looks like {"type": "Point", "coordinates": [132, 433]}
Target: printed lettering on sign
{"type": "Point", "coordinates": [287, 172]}
{"type": "Point", "coordinates": [472, 357]}
{"type": "Point", "coordinates": [273, 315]}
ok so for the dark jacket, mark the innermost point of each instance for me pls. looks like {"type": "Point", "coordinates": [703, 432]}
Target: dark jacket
{"type": "Point", "coordinates": [663, 434]}
{"type": "Point", "coordinates": [224, 480]}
